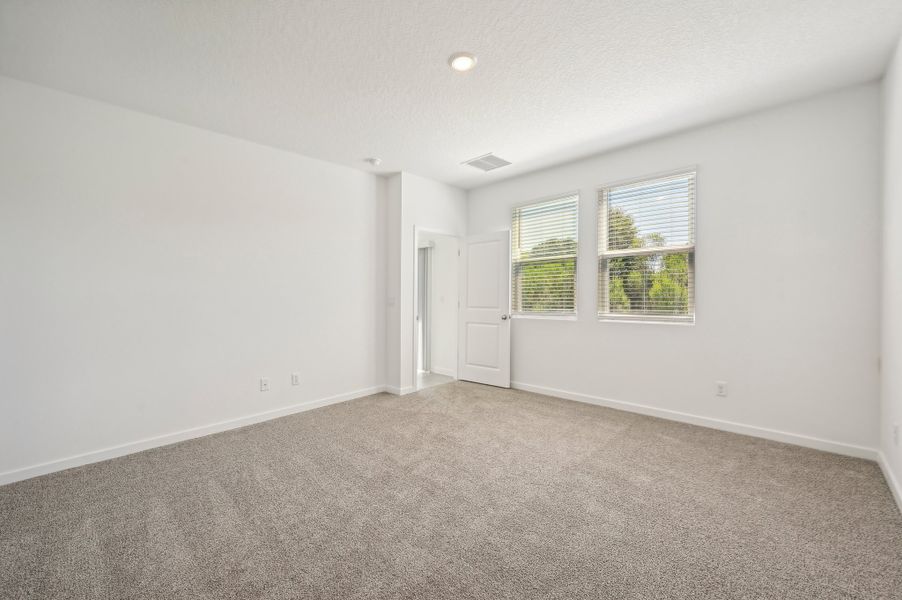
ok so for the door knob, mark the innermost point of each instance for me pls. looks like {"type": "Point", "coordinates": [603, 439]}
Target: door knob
{"type": "Point", "coordinates": [504, 317]}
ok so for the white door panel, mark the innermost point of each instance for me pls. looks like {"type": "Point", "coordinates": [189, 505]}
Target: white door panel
{"type": "Point", "coordinates": [482, 345]}
{"type": "Point", "coordinates": [484, 309]}
{"type": "Point", "coordinates": [482, 291]}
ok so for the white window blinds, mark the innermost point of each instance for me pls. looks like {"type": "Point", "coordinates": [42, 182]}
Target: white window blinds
{"type": "Point", "coordinates": [543, 257]}
{"type": "Point", "coordinates": [646, 249]}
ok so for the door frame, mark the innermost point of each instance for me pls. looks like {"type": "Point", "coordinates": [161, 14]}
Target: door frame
{"type": "Point", "coordinates": [417, 230]}
{"type": "Point", "coordinates": [424, 322]}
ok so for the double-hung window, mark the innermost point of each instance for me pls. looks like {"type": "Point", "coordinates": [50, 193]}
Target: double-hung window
{"type": "Point", "coordinates": [543, 257]}
{"type": "Point", "coordinates": [646, 249]}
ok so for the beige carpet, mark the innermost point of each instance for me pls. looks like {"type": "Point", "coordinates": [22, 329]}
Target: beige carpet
{"type": "Point", "coordinates": [460, 491]}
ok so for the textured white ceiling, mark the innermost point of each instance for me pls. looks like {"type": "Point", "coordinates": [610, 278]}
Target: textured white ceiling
{"type": "Point", "coordinates": [343, 80]}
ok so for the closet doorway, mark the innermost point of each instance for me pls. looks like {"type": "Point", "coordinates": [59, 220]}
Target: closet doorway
{"type": "Point", "coordinates": [435, 314]}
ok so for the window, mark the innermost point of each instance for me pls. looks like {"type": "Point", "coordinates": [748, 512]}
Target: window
{"type": "Point", "coordinates": [646, 250]}
{"type": "Point", "coordinates": [543, 257]}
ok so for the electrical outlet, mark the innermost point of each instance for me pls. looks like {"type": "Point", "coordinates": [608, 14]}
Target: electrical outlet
{"type": "Point", "coordinates": [721, 388]}
{"type": "Point", "coordinates": [264, 384]}
{"type": "Point", "coordinates": [895, 434]}
{"type": "Point", "coordinates": [295, 379]}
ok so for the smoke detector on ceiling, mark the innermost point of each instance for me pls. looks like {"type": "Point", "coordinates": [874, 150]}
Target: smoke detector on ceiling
{"type": "Point", "coordinates": [487, 162]}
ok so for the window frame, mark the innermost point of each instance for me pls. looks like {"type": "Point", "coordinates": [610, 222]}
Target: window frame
{"type": "Point", "coordinates": [603, 254]}
{"type": "Point", "coordinates": [553, 315]}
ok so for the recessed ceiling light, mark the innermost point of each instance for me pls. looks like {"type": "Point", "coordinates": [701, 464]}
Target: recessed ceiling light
{"type": "Point", "coordinates": [375, 161]}
{"type": "Point", "coordinates": [462, 61]}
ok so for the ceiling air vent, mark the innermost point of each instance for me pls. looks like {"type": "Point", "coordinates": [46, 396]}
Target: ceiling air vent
{"type": "Point", "coordinates": [486, 162]}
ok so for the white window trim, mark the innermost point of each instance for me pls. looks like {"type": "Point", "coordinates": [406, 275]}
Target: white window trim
{"type": "Point", "coordinates": [551, 316]}
{"type": "Point", "coordinates": [602, 228]}
{"type": "Point", "coordinates": [545, 316]}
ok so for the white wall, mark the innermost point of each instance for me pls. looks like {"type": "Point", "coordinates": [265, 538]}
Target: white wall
{"type": "Point", "coordinates": [787, 277]}
{"type": "Point", "coordinates": [151, 272]}
{"type": "Point", "coordinates": [414, 202]}
{"type": "Point", "coordinates": [891, 371]}
{"type": "Point", "coordinates": [393, 284]}
{"type": "Point", "coordinates": [443, 316]}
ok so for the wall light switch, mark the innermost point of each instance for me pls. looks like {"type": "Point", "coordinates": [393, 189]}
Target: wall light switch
{"type": "Point", "coordinates": [295, 379]}
{"type": "Point", "coordinates": [721, 388]}
{"type": "Point", "coordinates": [264, 384]}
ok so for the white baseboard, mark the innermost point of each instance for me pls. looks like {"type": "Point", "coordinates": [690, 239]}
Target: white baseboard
{"type": "Point", "coordinates": [891, 480]}
{"type": "Point", "coordinates": [672, 415]}
{"type": "Point", "coordinates": [196, 432]}
{"type": "Point", "coordinates": [178, 436]}
{"type": "Point", "coordinates": [400, 391]}
{"type": "Point", "coordinates": [444, 371]}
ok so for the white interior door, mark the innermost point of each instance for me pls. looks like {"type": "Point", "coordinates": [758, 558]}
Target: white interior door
{"type": "Point", "coordinates": [485, 325]}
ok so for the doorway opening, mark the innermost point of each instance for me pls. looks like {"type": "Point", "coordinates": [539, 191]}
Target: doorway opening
{"type": "Point", "coordinates": [436, 307]}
